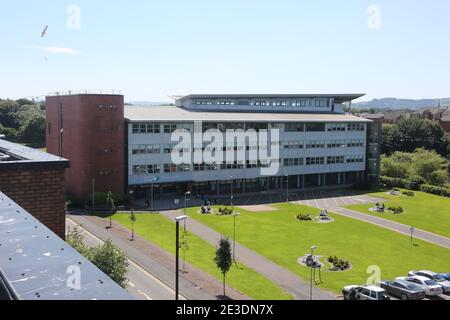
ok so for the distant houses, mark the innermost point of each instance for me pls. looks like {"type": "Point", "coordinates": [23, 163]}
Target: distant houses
{"type": "Point", "coordinates": [437, 115]}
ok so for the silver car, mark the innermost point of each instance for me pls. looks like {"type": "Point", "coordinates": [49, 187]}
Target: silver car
{"type": "Point", "coordinates": [440, 279]}
{"type": "Point", "coordinates": [430, 287]}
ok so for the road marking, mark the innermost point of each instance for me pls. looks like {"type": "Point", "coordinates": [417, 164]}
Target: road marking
{"type": "Point", "coordinates": [144, 294]}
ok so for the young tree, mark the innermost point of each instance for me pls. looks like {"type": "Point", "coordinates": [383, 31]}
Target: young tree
{"type": "Point", "coordinates": [223, 258]}
{"type": "Point", "coordinates": [184, 247]}
{"type": "Point", "coordinates": [111, 206]}
{"type": "Point", "coordinates": [132, 217]}
{"type": "Point", "coordinates": [75, 239]}
{"type": "Point", "coordinates": [112, 261]}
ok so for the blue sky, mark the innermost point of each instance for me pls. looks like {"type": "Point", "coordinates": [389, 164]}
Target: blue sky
{"type": "Point", "coordinates": [151, 49]}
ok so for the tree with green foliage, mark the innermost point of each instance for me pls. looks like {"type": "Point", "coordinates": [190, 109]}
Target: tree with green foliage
{"type": "Point", "coordinates": [132, 217]}
{"type": "Point", "coordinates": [410, 134]}
{"type": "Point", "coordinates": [107, 257]}
{"type": "Point", "coordinates": [421, 166]}
{"type": "Point", "coordinates": [223, 259]}
{"type": "Point", "coordinates": [33, 131]}
{"type": "Point", "coordinates": [111, 207]}
{"type": "Point", "coordinates": [112, 261]}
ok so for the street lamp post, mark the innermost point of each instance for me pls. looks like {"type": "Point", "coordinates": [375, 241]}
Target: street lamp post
{"type": "Point", "coordinates": [235, 214]}
{"type": "Point", "coordinates": [231, 196]}
{"type": "Point", "coordinates": [287, 189]}
{"type": "Point", "coordinates": [185, 207]}
{"type": "Point", "coordinates": [177, 255]}
{"type": "Point", "coordinates": [93, 194]}
{"type": "Point", "coordinates": [312, 266]}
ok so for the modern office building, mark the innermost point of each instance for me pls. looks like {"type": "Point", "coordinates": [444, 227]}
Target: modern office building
{"type": "Point", "coordinates": [130, 148]}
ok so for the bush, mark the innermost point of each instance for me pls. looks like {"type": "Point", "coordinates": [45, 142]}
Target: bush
{"type": "Point", "coordinates": [396, 210]}
{"type": "Point", "coordinates": [409, 193]}
{"type": "Point", "coordinates": [304, 217]}
{"type": "Point", "coordinates": [338, 264]}
{"type": "Point", "coordinates": [440, 191]}
{"type": "Point", "coordinates": [225, 212]}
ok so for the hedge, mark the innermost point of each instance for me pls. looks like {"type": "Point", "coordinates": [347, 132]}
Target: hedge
{"type": "Point", "coordinates": [414, 184]}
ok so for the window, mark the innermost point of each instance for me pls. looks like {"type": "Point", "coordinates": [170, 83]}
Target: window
{"type": "Point", "coordinates": [314, 127]}
{"type": "Point", "coordinates": [355, 143]}
{"type": "Point", "coordinates": [315, 144]}
{"type": "Point", "coordinates": [170, 168]}
{"type": "Point", "coordinates": [336, 127]}
{"type": "Point", "coordinates": [279, 103]}
{"type": "Point", "coordinates": [335, 160]}
{"type": "Point", "coordinates": [355, 159]}
{"type": "Point", "coordinates": [146, 149]}
{"type": "Point", "coordinates": [356, 127]}
{"type": "Point", "coordinates": [294, 127]}
{"type": "Point", "coordinates": [170, 128]}
{"type": "Point", "coordinates": [301, 103]}
{"type": "Point", "coordinates": [315, 161]}
{"type": "Point", "coordinates": [292, 162]}
{"type": "Point", "coordinates": [49, 126]}
{"type": "Point", "coordinates": [293, 145]}
{"type": "Point", "coordinates": [336, 144]}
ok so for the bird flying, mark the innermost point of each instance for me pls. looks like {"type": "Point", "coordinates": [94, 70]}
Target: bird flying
{"type": "Point", "coordinates": [44, 32]}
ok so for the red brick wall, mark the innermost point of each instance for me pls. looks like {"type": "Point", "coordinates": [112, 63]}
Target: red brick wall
{"type": "Point", "coordinates": [92, 140]}
{"type": "Point", "coordinates": [40, 192]}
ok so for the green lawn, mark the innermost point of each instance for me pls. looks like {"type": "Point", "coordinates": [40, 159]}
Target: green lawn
{"type": "Point", "coordinates": [282, 239]}
{"type": "Point", "coordinates": [424, 211]}
{"type": "Point", "coordinates": [161, 231]}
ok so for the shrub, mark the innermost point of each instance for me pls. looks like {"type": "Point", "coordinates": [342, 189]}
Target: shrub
{"type": "Point", "coordinates": [440, 191]}
{"type": "Point", "coordinates": [225, 212]}
{"type": "Point", "coordinates": [304, 217]}
{"type": "Point", "coordinates": [409, 193]}
{"type": "Point", "coordinates": [396, 210]}
{"type": "Point", "coordinates": [338, 264]}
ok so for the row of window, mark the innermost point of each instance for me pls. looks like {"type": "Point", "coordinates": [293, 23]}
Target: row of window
{"type": "Point", "coordinates": [167, 148]}
{"type": "Point", "coordinates": [249, 164]}
{"type": "Point", "coordinates": [315, 103]}
{"type": "Point", "coordinates": [145, 128]}
{"type": "Point", "coordinates": [141, 128]}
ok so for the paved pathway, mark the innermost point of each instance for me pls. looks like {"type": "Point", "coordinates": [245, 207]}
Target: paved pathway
{"type": "Point", "coordinates": [395, 226]}
{"type": "Point", "coordinates": [279, 275]}
{"type": "Point", "coordinates": [195, 285]}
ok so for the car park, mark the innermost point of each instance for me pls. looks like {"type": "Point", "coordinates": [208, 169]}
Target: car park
{"type": "Point", "coordinates": [430, 287]}
{"type": "Point", "coordinates": [403, 290]}
{"type": "Point", "coordinates": [440, 279]}
{"type": "Point", "coordinates": [355, 292]}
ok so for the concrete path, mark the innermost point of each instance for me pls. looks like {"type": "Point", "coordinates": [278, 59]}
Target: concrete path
{"type": "Point", "coordinates": [279, 275]}
{"type": "Point", "coordinates": [143, 254]}
{"type": "Point", "coordinates": [395, 226]}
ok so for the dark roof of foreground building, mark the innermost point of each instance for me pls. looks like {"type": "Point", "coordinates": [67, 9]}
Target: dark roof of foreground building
{"type": "Point", "coordinates": [13, 155]}
{"type": "Point", "coordinates": [35, 264]}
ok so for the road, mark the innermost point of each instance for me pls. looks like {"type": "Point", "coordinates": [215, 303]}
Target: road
{"type": "Point", "coordinates": [142, 284]}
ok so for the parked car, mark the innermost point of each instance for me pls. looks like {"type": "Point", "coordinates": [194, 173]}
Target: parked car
{"type": "Point", "coordinates": [445, 275]}
{"type": "Point", "coordinates": [355, 292]}
{"type": "Point", "coordinates": [430, 286]}
{"type": "Point", "coordinates": [440, 279]}
{"type": "Point", "coordinates": [350, 292]}
{"type": "Point", "coordinates": [404, 290]}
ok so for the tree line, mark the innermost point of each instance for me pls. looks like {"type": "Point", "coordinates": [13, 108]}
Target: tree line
{"type": "Point", "coordinates": [23, 121]}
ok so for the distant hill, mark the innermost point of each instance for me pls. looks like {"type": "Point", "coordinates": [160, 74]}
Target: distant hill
{"type": "Point", "coordinates": [397, 104]}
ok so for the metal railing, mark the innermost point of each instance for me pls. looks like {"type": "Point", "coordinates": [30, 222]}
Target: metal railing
{"type": "Point", "coordinates": [77, 92]}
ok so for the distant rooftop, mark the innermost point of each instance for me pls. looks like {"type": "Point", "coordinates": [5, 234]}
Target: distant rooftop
{"type": "Point", "coordinates": [339, 98]}
{"type": "Point", "coordinates": [19, 156]}
{"type": "Point", "coordinates": [35, 264]}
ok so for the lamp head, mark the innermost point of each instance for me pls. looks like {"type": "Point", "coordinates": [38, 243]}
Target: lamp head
{"type": "Point", "coordinates": [181, 218]}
